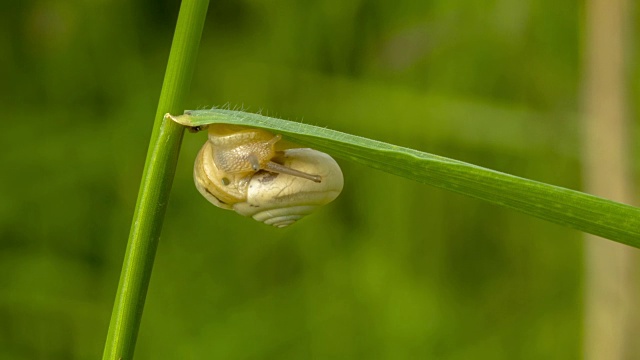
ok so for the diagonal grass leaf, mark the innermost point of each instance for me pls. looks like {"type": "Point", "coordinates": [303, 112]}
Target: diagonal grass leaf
{"type": "Point", "coordinates": [588, 213]}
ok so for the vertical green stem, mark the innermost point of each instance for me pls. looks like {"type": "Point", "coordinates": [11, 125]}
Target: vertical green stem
{"type": "Point", "coordinates": [155, 186]}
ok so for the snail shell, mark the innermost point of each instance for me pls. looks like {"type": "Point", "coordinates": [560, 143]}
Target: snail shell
{"type": "Point", "coordinates": [242, 169]}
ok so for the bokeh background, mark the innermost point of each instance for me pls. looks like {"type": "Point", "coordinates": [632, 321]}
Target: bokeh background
{"type": "Point", "coordinates": [391, 270]}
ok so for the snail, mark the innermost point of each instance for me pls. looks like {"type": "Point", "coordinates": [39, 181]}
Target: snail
{"type": "Point", "coordinates": [252, 172]}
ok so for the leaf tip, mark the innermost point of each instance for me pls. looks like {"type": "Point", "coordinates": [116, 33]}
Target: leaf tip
{"type": "Point", "coordinates": [184, 120]}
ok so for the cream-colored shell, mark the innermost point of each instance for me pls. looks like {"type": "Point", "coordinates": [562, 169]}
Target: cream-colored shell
{"type": "Point", "coordinates": [282, 199]}
{"type": "Point", "coordinates": [273, 198]}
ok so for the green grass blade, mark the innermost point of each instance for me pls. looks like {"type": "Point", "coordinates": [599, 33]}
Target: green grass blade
{"type": "Point", "coordinates": [157, 178]}
{"type": "Point", "coordinates": [588, 213]}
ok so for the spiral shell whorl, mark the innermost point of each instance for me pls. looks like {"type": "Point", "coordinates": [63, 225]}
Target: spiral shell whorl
{"type": "Point", "coordinates": [281, 199]}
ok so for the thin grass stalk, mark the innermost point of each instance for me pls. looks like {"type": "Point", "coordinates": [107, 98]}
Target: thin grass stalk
{"type": "Point", "coordinates": [157, 178]}
{"type": "Point", "coordinates": [610, 283]}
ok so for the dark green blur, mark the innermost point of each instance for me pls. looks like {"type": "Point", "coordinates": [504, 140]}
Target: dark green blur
{"type": "Point", "coordinates": [391, 270]}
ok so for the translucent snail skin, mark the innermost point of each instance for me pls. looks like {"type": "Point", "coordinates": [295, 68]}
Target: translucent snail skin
{"type": "Point", "coordinates": [242, 169]}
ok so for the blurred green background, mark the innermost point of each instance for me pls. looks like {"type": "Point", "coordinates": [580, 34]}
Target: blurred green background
{"type": "Point", "coordinates": [391, 270]}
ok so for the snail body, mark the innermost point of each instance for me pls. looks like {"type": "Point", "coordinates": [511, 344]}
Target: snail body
{"type": "Point", "coordinates": [243, 169]}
